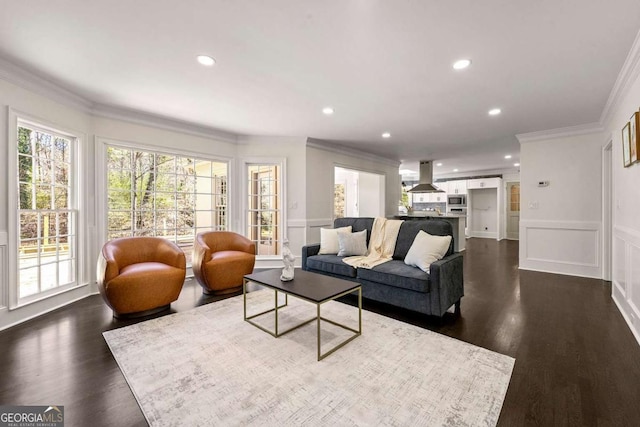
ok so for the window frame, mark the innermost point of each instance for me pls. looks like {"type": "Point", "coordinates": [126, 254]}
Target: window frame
{"type": "Point", "coordinates": [102, 144]}
{"type": "Point", "coordinates": [76, 204]}
{"type": "Point", "coordinates": [281, 162]}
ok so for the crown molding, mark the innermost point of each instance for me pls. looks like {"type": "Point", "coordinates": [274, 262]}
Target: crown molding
{"type": "Point", "coordinates": [326, 146]}
{"type": "Point", "coordinates": [162, 122]}
{"type": "Point", "coordinates": [36, 83]}
{"type": "Point", "coordinates": [627, 76]}
{"type": "Point", "coordinates": [565, 132]}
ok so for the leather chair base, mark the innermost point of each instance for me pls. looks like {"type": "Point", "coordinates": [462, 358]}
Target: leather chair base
{"type": "Point", "coordinates": [125, 316]}
{"type": "Point", "coordinates": [222, 291]}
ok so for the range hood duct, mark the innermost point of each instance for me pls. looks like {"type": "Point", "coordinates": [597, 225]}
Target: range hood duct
{"type": "Point", "coordinates": [425, 181]}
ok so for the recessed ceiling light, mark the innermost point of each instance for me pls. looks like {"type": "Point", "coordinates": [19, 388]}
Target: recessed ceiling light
{"type": "Point", "coordinates": [461, 64]}
{"type": "Point", "coordinates": [495, 111]}
{"type": "Point", "coordinates": [386, 135]}
{"type": "Point", "coordinates": [206, 60]}
{"type": "Point", "coordinates": [438, 164]}
{"type": "Point", "coordinates": [328, 111]}
{"type": "Point", "coordinates": [508, 156]}
{"type": "Point", "coordinates": [455, 170]}
{"type": "Point", "coordinates": [516, 164]}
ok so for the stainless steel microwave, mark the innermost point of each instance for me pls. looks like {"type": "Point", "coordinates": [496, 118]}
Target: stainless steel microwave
{"type": "Point", "coordinates": [457, 200]}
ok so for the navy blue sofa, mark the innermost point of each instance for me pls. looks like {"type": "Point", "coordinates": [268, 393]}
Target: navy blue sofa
{"type": "Point", "coordinates": [394, 282]}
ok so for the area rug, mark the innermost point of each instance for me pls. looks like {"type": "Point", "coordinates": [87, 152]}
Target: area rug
{"type": "Point", "coordinates": [208, 367]}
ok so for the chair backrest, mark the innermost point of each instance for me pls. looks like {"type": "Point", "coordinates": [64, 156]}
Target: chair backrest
{"type": "Point", "coordinates": [410, 229]}
{"type": "Point", "coordinates": [226, 241]}
{"type": "Point", "coordinates": [133, 250]}
{"type": "Point", "coordinates": [357, 224]}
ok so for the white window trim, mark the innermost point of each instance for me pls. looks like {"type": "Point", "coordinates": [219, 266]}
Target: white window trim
{"type": "Point", "coordinates": [78, 201]}
{"type": "Point", "coordinates": [101, 177]}
{"type": "Point", "coordinates": [243, 196]}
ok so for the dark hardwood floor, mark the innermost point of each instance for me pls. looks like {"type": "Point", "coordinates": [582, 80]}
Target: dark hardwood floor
{"type": "Point", "coordinates": [577, 362]}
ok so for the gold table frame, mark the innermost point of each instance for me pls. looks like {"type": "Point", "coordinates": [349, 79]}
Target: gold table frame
{"type": "Point", "coordinates": [318, 317]}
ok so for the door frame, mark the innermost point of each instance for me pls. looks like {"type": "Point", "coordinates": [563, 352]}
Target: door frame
{"type": "Point", "coordinates": [607, 209]}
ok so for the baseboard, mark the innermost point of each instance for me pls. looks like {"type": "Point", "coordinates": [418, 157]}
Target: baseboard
{"type": "Point", "coordinates": [4, 312]}
{"type": "Point", "coordinates": [483, 234]}
{"type": "Point", "coordinates": [634, 332]}
{"type": "Point", "coordinates": [562, 273]}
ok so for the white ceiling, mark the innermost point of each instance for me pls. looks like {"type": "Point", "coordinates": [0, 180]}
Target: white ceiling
{"type": "Point", "coordinates": [383, 66]}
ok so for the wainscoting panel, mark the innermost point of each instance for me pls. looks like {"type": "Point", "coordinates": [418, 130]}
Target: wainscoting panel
{"type": "Point", "coordinates": [563, 247]}
{"type": "Point", "coordinates": [4, 270]}
{"type": "Point", "coordinates": [634, 280]}
{"type": "Point", "coordinates": [619, 265]}
{"type": "Point", "coordinates": [296, 233]}
{"type": "Point", "coordinates": [626, 276]}
{"type": "Point", "coordinates": [313, 229]}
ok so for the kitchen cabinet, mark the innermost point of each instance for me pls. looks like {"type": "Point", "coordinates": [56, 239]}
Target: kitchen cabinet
{"type": "Point", "coordinates": [442, 185]}
{"type": "Point", "coordinates": [437, 197]}
{"type": "Point", "coordinates": [459, 186]}
{"type": "Point", "coordinates": [474, 184]}
{"type": "Point", "coordinates": [430, 198]}
{"type": "Point", "coordinates": [419, 197]}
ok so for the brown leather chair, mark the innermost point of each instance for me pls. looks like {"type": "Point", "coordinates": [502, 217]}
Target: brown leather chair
{"type": "Point", "coordinates": [138, 276]}
{"type": "Point", "coordinates": [221, 259]}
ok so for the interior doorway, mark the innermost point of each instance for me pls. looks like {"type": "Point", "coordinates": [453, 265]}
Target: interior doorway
{"type": "Point", "coordinates": [358, 194]}
{"type": "Point", "coordinates": [513, 210]}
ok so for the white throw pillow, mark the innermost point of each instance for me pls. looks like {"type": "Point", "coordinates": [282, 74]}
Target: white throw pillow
{"type": "Point", "coordinates": [329, 240]}
{"type": "Point", "coordinates": [352, 244]}
{"type": "Point", "coordinates": [427, 249]}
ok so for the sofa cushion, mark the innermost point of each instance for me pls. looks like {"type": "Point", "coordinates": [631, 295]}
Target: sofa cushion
{"type": "Point", "coordinates": [398, 274]}
{"type": "Point", "coordinates": [331, 264]}
{"type": "Point", "coordinates": [329, 240]}
{"type": "Point", "coordinates": [427, 249]}
{"type": "Point", "coordinates": [409, 230]}
{"type": "Point", "coordinates": [352, 244]}
{"type": "Point", "coordinates": [358, 224]}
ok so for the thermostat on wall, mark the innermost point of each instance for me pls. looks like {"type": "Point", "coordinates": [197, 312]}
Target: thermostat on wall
{"type": "Point", "coordinates": [543, 183]}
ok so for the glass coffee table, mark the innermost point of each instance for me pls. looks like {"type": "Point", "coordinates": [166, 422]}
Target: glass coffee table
{"type": "Point", "coordinates": [311, 287]}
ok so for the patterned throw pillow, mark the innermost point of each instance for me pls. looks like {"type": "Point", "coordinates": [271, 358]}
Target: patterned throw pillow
{"type": "Point", "coordinates": [329, 240]}
{"type": "Point", "coordinates": [352, 244]}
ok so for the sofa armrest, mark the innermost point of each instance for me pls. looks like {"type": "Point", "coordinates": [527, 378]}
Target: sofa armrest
{"type": "Point", "coordinates": [308, 251]}
{"type": "Point", "coordinates": [447, 282]}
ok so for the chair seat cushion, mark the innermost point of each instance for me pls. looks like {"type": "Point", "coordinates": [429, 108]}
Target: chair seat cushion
{"type": "Point", "coordinates": [397, 273]}
{"type": "Point", "coordinates": [143, 286]}
{"type": "Point", "coordinates": [143, 268]}
{"type": "Point", "coordinates": [229, 258]}
{"type": "Point", "coordinates": [330, 264]}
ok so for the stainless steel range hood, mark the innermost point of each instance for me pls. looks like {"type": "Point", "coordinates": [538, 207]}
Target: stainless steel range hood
{"type": "Point", "coordinates": [425, 181]}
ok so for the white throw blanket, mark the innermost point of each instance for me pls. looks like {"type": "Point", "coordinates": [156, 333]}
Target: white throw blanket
{"type": "Point", "coordinates": [381, 244]}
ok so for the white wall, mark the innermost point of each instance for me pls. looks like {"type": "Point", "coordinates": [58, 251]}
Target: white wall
{"type": "Point", "coordinates": [483, 213]}
{"type": "Point", "coordinates": [371, 194]}
{"type": "Point", "coordinates": [560, 225]}
{"type": "Point", "coordinates": [321, 162]}
{"type": "Point", "coordinates": [626, 195]}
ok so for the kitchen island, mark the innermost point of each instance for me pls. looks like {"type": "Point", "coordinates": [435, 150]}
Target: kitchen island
{"type": "Point", "coordinates": [457, 223]}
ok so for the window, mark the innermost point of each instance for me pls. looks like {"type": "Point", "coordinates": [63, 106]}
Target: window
{"type": "Point", "coordinates": [157, 194]}
{"type": "Point", "coordinates": [47, 232]}
{"type": "Point", "coordinates": [338, 200]}
{"type": "Point", "coordinates": [264, 207]}
{"type": "Point", "coordinates": [514, 199]}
